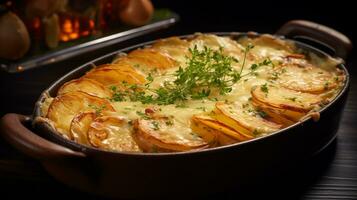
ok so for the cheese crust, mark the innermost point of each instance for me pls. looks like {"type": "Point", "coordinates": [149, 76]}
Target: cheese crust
{"type": "Point", "coordinates": [279, 93]}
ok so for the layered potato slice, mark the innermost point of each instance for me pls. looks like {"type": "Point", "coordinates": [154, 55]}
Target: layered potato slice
{"type": "Point", "coordinates": [273, 114]}
{"type": "Point", "coordinates": [245, 120]}
{"type": "Point", "coordinates": [106, 131]}
{"type": "Point", "coordinates": [289, 103]}
{"type": "Point", "coordinates": [112, 132]}
{"type": "Point", "coordinates": [165, 134]}
{"type": "Point", "coordinates": [268, 46]}
{"type": "Point", "coordinates": [269, 41]}
{"type": "Point", "coordinates": [229, 46]}
{"type": "Point", "coordinates": [80, 125]}
{"type": "Point", "coordinates": [65, 107]}
{"type": "Point", "coordinates": [147, 60]}
{"type": "Point", "coordinates": [115, 74]}
{"type": "Point", "coordinates": [86, 85]}
{"type": "Point", "coordinates": [214, 132]}
{"type": "Point", "coordinates": [175, 47]}
{"type": "Point", "coordinates": [301, 76]}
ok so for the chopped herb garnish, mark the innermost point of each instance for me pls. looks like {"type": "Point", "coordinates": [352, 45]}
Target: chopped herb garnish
{"type": "Point", "coordinates": [207, 70]}
{"type": "Point", "coordinates": [169, 122]}
{"type": "Point", "coordinates": [264, 88]}
{"type": "Point", "coordinates": [213, 99]}
{"type": "Point", "coordinates": [255, 132]}
{"type": "Point", "coordinates": [245, 105]}
{"type": "Point", "coordinates": [155, 125]}
{"type": "Point", "coordinates": [117, 95]}
{"type": "Point", "coordinates": [195, 135]}
{"type": "Point", "coordinates": [98, 109]}
{"type": "Point", "coordinates": [202, 94]}
{"type": "Point", "coordinates": [202, 108]}
{"type": "Point", "coordinates": [150, 79]}
{"type": "Point", "coordinates": [254, 67]}
{"type": "Point", "coordinates": [326, 85]}
{"type": "Point", "coordinates": [154, 70]}
{"type": "Point", "coordinates": [250, 110]}
{"type": "Point", "coordinates": [143, 115]}
{"type": "Point", "coordinates": [261, 113]}
{"type": "Point", "coordinates": [291, 98]}
{"type": "Point", "coordinates": [181, 105]}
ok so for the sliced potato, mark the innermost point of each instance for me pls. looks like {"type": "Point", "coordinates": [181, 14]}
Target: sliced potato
{"type": "Point", "coordinates": [80, 125]}
{"type": "Point", "coordinates": [306, 78]}
{"type": "Point", "coordinates": [245, 121]}
{"type": "Point", "coordinates": [214, 132]}
{"type": "Point", "coordinates": [175, 47]}
{"type": "Point", "coordinates": [285, 99]}
{"type": "Point", "coordinates": [112, 133]}
{"type": "Point", "coordinates": [267, 46]}
{"type": "Point", "coordinates": [153, 57]}
{"type": "Point", "coordinates": [164, 134]}
{"type": "Point", "coordinates": [66, 106]}
{"type": "Point", "coordinates": [291, 115]}
{"type": "Point", "coordinates": [229, 46]}
{"type": "Point", "coordinates": [109, 75]}
{"type": "Point", "coordinates": [147, 60]}
{"type": "Point", "coordinates": [274, 43]}
{"type": "Point", "coordinates": [274, 115]}
{"type": "Point", "coordinates": [207, 133]}
{"type": "Point", "coordinates": [216, 42]}
{"type": "Point", "coordinates": [86, 85]}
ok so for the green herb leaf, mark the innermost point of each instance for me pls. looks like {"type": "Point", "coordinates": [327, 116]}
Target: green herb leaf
{"type": "Point", "coordinates": [155, 125]}
{"type": "Point", "coordinates": [264, 88]}
{"type": "Point", "coordinates": [291, 98]}
{"type": "Point", "coordinates": [143, 115]}
{"type": "Point", "coordinates": [206, 70]}
{"type": "Point", "coordinates": [98, 109]}
{"type": "Point", "coordinates": [261, 113]}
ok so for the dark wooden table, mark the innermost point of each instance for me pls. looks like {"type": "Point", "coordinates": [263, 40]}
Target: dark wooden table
{"type": "Point", "coordinates": [332, 174]}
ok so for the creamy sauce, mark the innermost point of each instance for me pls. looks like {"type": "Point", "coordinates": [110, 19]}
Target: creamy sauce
{"type": "Point", "coordinates": [240, 94]}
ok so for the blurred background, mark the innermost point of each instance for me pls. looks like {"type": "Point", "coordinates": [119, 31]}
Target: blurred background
{"type": "Point", "coordinates": [18, 93]}
{"type": "Point", "coordinates": [260, 15]}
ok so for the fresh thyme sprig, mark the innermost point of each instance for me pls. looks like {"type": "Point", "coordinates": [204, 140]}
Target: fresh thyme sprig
{"type": "Point", "coordinates": [206, 70]}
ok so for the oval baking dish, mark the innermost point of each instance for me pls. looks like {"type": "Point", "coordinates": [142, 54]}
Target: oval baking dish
{"type": "Point", "coordinates": [164, 171]}
{"type": "Point", "coordinates": [193, 93]}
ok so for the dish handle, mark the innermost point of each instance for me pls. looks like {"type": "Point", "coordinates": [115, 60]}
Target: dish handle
{"type": "Point", "coordinates": [13, 130]}
{"type": "Point", "coordinates": [327, 36]}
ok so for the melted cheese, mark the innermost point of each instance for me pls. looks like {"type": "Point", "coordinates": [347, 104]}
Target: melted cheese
{"type": "Point", "coordinates": [266, 47]}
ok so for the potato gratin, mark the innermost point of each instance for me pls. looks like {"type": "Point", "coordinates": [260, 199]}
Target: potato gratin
{"type": "Point", "coordinates": [195, 93]}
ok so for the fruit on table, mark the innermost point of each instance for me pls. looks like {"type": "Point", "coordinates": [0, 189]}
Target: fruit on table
{"type": "Point", "coordinates": [14, 37]}
{"type": "Point", "coordinates": [136, 12]}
